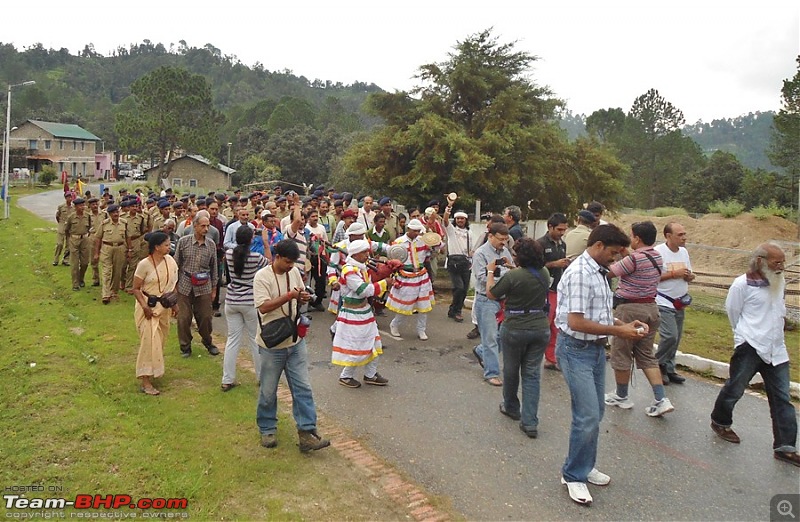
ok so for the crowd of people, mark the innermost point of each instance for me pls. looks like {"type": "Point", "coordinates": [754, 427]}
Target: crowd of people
{"type": "Point", "coordinates": [566, 301]}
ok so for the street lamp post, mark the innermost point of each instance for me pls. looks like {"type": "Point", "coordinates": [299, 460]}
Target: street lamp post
{"type": "Point", "coordinates": [7, 144]}
{"type": "Point", "coordinates": [229, 164]}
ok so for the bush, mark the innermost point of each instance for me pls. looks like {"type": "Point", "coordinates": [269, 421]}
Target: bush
{"type": "Point", "coordinates": [48, 175]}
{"type": "Point", "coordinates": [761, 212]}
{"type": "Point", "coordinates": [667, 211]}
{"type": "Point", "coordinates": [729, 208]}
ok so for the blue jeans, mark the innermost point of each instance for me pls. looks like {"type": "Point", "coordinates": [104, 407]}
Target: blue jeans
{"type": "Point", "coordinates": [583, 364]}
{"type": "Point", "coordinates": [669, 336]}
{"type": "Point", "coordinates": [486, 312]}
{"type": "Point", "coordinates": [293, 361]}
{"type": "Point", "coordinates": [745, 363]}
{"type": "Point", "coordinates": [523, 351]}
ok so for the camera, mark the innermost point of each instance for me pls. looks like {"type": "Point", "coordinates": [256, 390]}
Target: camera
{"type": "Point", "coordinates": [500, 262]}
{"type": "Point", "coordinates": [152, 301]}
{"type": "Point", "coordinates": [310, 292]}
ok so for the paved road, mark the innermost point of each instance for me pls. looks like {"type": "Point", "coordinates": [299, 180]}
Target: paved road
{"type": "Point", "coordinates": [439, 423]}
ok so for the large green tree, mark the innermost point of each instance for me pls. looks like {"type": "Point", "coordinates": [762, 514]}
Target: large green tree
{"type": "Point", "coordinates": [476, 125]}
{"type": "Point", "coordinates": [785, 147]}
{"type": "Point", "coordinates": [172, 110]}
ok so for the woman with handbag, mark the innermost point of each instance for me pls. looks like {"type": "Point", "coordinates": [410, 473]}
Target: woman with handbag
{"type": "Point", "coordinates": [154, 289]}
{"type": "Point", "coordinates": [525, 330]}
{"type": "Point", "coordinates": [241, 263]}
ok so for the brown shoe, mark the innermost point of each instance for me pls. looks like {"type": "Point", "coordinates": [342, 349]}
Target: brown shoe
{"type": "Point", "coordinates": [474, 333]}
{"type": "Point", "coordinates": [726, 433]}
{"type": "Point", "coordinates": [786, 456]}
{"type": "Point", "coordinates": [310, 440]}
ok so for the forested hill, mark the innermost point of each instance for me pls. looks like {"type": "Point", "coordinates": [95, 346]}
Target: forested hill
{"type": "Point", "coordinates": [747, 137]}
{"type": "Point", "coordinates": [87, 88]}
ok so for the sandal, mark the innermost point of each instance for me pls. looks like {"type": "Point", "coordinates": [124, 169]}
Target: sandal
{"type": "Point", "coordinates": [494, 381]}
{"type": "Point", "coordinates": [150, 391]}
{"type": "Point", "coordinates": [228, 387]}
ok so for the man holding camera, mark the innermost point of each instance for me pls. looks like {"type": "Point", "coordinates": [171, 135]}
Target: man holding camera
{"type": "Point", "coordinates": [278, 292]}
{"type": "Point", "coordinates": [196, 256]}
{"type": "Point", "coordinates": [486, 309]}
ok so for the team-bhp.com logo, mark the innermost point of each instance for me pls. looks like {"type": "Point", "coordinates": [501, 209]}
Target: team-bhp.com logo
{"type": "Point", "coordinates": [94, 502]}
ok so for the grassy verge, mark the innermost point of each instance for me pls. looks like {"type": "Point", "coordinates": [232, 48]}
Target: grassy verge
{"type": "Point", "coordinates": [708, 334]}
{"type": "Point", "coordinates": [72, 416]}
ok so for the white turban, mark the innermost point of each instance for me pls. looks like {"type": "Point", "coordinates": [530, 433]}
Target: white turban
{"type": "Point", "coordinates": [460, 214]}
{"type": "Point", "coordinates": [356, 229]}
{"type": "Point", "coordinates": [357, 246]}
{"type": "Point", "coordinates": [416, 224]}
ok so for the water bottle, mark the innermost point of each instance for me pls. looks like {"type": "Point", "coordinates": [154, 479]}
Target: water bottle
{"type": "Point", "coordinates": [302, 326]}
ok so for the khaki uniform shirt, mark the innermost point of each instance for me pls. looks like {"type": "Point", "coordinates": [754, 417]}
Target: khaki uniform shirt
{"type": "Point", "coordinates": [78, 226]}
{"type": "Point", "coordinates": [109, 232]}
{"type": "Point", "coordinates": [62, 212]}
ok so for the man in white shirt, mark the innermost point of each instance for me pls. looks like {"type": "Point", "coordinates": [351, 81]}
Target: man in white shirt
{"type": "Point", "coordinates": [365, 214]}
{"type": "Point", "coordinates": [674, 284]}
{"type": "Point", "coordinates": [756, 309]}
{"type": "Point", "coordinates": [460, 247]}
{"type": "Point", "coordinates": [230, 232]}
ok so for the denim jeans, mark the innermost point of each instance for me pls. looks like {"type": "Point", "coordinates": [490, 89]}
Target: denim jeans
{"type": "Point", "coordinates": [486, 312]}
{"type": "Point", "coordinates": [669, 336]}
{"type": "Point", "coordinates": [242, 320]}
{"type": "Point", "coordinates": [583, 364]}
{"type": "Point", "coordinates": [294, 362]}
{"type": "Point", "coordinates": [745, 363]}
{"type": "Point", "coordinates": [460, 281]}
{"type": "Point", "coordinates": [522, 355]}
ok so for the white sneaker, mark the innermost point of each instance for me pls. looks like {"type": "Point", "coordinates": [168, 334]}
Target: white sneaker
{"type": "Point", "coordinates": [578, 492]}
{"type": "Point", "coordinates": [394, 331]}
{"type": "Point", "coordinates": [659, 408]}
{"type": "Point", "coordinates": [598, 478]}
{"type": "Point", "coordinates": [423, 336]}
{"type": "Point", "coordinates": [612, 399]}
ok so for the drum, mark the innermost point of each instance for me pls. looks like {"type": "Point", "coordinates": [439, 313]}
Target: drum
{"type": "Point", "coordinates": [431, 239]}
{"type": "Point", "coordinates": [398, 252]}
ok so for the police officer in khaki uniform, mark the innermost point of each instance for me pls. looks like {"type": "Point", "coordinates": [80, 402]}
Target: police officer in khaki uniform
{"type": "Point", "coordinates": [162, 215]}
{"type": "Point", "coordinates": [62, 212]}
{"type": "Point", "coordinates": [76, 230]}
{"type": "Point", "coordinates": [97, 219]}
{"type": "Point", "coordinates": [136, 227]}
{"type": "Point", "coordinates": [110, 250]}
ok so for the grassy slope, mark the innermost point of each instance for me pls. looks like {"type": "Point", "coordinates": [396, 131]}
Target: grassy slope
{"type": "Point", "coordinates": [71, 414]}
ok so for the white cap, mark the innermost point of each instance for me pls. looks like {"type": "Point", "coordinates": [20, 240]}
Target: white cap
{"type": "Point", "coordinates": [357, 246]}
{"type": "Point", "coordinates": [416, 224]}
{"type": "Point", "coordinates": [356, 229]}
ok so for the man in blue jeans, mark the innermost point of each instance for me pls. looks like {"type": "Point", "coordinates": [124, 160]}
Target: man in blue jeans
{"type": "Point", "coordinates": [278, 290]}
{"type": "Point", "coordinates": [486, 309]}
{"type": "Point", "coordinates": [756, 309]}
{"type": "Point", "coordinates": [585, 320]}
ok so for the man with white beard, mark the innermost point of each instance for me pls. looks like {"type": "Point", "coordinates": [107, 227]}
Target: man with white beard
{"type": "Point", "coordinates": [756, 310]}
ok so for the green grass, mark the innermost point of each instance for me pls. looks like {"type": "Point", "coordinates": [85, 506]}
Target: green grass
{"type": "Point", "coordinates": [71, 414]}
{"type": "Point", "coordinates": [708, 334]}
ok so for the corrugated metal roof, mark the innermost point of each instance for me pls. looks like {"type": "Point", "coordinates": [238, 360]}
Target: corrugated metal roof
{"type": "Point", "coordinates": [201, 159]}
{"type": "Point", "coordinates": [65, 130]}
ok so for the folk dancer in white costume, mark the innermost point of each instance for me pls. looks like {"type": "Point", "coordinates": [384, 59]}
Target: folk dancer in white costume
{"type": "Point", "coordinates": [413, 292]}
{"type": "Point", "coordinates": [357, 341]}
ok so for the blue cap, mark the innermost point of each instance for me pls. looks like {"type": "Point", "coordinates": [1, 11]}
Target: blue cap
{"type": "Point", "coordinates": [163, 203]}
{"type": "Point", "coordinates": [384, 200]}
{"type": "Point", "coordinates": [112, 208]}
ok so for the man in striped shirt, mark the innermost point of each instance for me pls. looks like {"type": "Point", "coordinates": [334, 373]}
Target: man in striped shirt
{"type": "Point", "coordinates": [635, 298]}
{"type": "Point", "coordinates": [584, 320]}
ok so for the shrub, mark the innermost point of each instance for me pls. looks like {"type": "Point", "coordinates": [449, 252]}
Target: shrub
{"type": "Point", "coordinates": [729, 208]}
{"type": "Point", "coordinates": [761, 212]}
{"type": "Point", "coordinates": [667, 211]}
{"type": "Point", "coordinates": [48, 175]}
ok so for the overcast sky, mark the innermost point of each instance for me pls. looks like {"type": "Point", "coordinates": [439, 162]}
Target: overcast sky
{"type": "Point", "coordinates": [711, 59]}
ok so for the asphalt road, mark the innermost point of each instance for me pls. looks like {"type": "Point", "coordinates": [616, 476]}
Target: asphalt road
{"type": "Point", "coordinates": [439, 423]}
